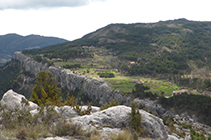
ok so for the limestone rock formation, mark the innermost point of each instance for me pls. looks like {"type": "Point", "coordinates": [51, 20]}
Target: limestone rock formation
{"type": "Point", "coordinates": [12, 101]}
{"type": "Point", "coordinates": [150, 105]}
{"type": "Point", "coordinates": [119, 117]}
{"type": "Point", "coordinates": [95, 88]}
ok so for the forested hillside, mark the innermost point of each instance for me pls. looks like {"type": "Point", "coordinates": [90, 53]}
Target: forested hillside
{"type": "Point", "coordinates": [167, 47]}
{"type": "Point", "coordinates": [10, 43]}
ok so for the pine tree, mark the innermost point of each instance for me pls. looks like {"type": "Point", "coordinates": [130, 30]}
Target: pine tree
{"type": "Point", "coordinates": [135, 117]}
{"type": "Point", "coordinates": [45, 90]}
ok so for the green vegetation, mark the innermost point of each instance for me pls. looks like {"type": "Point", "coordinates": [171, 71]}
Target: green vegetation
{"type": "Point", "coordinates": [45, 90]}
{"type": "Point", "coordinates": [65, 54]}
{"type": "Point", "coordinates": [82, 112]}
{"type": "Point", "coordinates": [197, 136]}
{"type": "Point", "coordinates": [110, 104]}
{"type": "Point", "coordinates": [72, 66]}
{"type": "Point", "coordinates": [140, 91]}
{"type": "Point", "coordinates": [39, 58]}
{"type": "Point", "coordinates": [156, 48]}
{"type": "Point", "coordinates": [122, 83]}
{"type": "Point", "coordinates": [135, 117]}
{"type": "Point", "coordinates": [106, 74]}
{"type": "Point", "coordinates": [168, 50]}
{"type": "Point", "coordinates": [22, 125]}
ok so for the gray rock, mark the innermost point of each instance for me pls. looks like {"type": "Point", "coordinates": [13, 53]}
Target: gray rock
{"type": "Point", "coordinates": [106, 131]}
{"type": "Point", "coordinates": [150, 105]}
{"type": "Point", "coordinates": [171, 137]}
{"type": "Point", "coordinates": [12, 101]}
{"type": "Point", "coordinates": [95, 88]}
{"type": "Point", "coordinates": [118, 117]}
{"type": "Point", "coordinates": [66, 112]}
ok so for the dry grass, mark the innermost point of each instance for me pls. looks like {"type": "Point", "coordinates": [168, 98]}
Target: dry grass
{"type": "Point", "coordinates": [125, 135]}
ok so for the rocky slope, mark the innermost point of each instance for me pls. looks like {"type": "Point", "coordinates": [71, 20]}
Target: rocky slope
{"type": "Point", "coordinates": [100, 91]}
{"type": "Point", "coordinates": [94, 88]}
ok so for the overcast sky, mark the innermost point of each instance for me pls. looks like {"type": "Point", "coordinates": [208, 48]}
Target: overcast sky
{"type": "Point", "coordinates": [72, 19]}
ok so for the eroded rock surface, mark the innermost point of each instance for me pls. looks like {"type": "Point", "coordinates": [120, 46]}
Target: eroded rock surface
{"type": "Point", "coordinates": [95, 88]}
{"type": "Point", "coordinates": [119, 117]}
{"type": "Point", "coordinates": [12, 101]}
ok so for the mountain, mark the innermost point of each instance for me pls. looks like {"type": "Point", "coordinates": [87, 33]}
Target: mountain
{"type": "Point", "coordinates": [175, 46]}
{"type": "Point", "coordinates": [10, 43]}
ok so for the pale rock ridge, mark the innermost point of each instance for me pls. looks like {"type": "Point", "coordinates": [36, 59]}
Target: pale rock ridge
{"type": "Point", "coordinates": [29, 64]}
{"type": "Point", "coordinates": [94, 88]}
{"type": "Point", "coordinates": [12, 101]}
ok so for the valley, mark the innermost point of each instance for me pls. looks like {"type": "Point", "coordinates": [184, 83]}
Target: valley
{"type": "Point", "coordinates": [142, 63]}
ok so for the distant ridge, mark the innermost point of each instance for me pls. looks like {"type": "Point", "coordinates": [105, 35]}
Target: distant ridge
{"type": "Point", "coordinates": [10, 43]}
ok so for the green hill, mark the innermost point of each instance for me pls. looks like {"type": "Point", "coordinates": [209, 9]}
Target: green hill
{"type": "Point", "coordinates": [167, 47]}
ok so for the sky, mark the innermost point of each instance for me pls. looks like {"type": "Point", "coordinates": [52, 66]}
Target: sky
{"type": "Point", "coordinates": [72, 19]}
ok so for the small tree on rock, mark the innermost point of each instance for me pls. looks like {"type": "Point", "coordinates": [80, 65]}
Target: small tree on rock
{"type": "Point", "coordinates": [135, 117]}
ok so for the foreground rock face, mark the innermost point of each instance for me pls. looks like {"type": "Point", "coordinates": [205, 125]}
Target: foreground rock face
{"type": "Point", "coordinates": [94, 88]}
{"type": "Point", "coordinates": [12, 101]}
{"type": "Point", "coordinates": [119, 117]}
{"type": "Point", "coordinates": [111, 120]}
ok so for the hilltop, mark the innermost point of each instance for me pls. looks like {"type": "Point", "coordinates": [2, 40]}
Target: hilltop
{"type": "Point", "coordinates": [10, 43]}
{"type": "Point", "coordinates": [166, 47]}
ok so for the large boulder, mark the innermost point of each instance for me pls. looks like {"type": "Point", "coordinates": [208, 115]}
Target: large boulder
{"type": "Point", "coordinates": [12, 101]}
{"type": "Point", "coordinates": [118, 117]}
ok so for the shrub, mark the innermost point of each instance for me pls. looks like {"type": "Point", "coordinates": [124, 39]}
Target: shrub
{"type": "Point", "coordinates": [106, 74]}
{"type": "Point", "coordinates": [111, 103]}
{"type": "Point", "coordinates": [64, 128]}
{"type": "Point", "coordinates": [48, 115]}
{"type": "Point", "coordinates": [81, 112]}
{"type": "Point", "coordinates": [70, 101]}
{"type": "Point", "coordinates": [135, 117]}
{"type": "Point", "coordinates": [68, 66]}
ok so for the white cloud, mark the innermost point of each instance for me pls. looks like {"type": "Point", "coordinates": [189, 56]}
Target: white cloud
{"type": "Point", "coordinates": [36, 4]}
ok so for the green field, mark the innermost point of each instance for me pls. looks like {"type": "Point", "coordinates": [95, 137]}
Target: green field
{"type": "Point", "coordinates": [101, 63]}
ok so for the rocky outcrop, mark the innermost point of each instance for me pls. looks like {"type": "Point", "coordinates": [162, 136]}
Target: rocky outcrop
{"type": "Point", "coordinates": [95, 88]}
{"type": "Point", "coordinates": [119, 117]}
{"type": "Point", "coordinates": [111, 120]}
{"type": "Point", "coordinates": [13, 101]}
{"type": "Point", "coordinates": [150, 105]}
{"type": "Point", "coordinates": [29, 64]}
